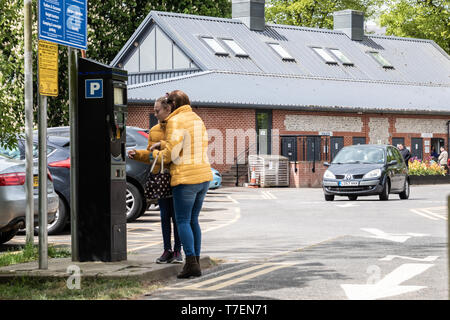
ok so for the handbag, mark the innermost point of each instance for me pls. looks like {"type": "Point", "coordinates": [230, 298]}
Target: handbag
{"type": "Point", "coordinates": [157, 185]}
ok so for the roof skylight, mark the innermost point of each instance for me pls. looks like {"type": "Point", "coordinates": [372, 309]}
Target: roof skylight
{"type": "Point", "coordinates": [341, 57]}
{"type": "Point", "coordinates": [238, 51]}
{"type": "Point", "coordinates": [377, 56]}
{"type": "Point", "coordinates": [281, 52]}
{"type": "Point", "coordinates": [324, 55]}
{"type": "Point", "coordinates": [215, 46]}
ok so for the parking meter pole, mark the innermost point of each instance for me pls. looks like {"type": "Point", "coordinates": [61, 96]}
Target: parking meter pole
{"type": "Point", "coordinates": [43, 212]}
{"type": "Point", "coordinates": [73, 110]}
{"type": "Point", "coordinates": [29, 213]}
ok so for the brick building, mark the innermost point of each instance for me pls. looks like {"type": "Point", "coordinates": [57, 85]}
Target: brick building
{"type": "Point", "coordinates": [300, 92]}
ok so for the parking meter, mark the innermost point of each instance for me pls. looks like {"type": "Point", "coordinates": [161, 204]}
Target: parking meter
{"type": "Point", "coordinates": [101, 158]}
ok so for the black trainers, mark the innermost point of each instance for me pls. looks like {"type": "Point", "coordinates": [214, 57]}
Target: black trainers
{"type": "Point", "coordinates": [166, 257]}
{"type": "Point", "coordinates": [177, 257]}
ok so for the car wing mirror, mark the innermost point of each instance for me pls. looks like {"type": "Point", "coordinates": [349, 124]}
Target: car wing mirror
{"type": "Point", "coordinates": [326, 164]}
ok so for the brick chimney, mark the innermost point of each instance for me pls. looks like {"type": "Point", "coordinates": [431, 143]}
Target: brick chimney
{"type": "Point", "coordinates": [351, 22]}
{"type": "Point", "coordinates": [250, 12]}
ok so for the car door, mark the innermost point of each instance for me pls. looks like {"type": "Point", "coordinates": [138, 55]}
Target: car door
{"type": "Point", "coordinates": [392, 169]}
{"type": "Point", "coordinates": [402, 168]}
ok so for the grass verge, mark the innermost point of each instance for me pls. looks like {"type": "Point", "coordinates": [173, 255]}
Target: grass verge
{"type": "Point", "coordinates": [31, 253]}
{"type": "Point", "coordinates": [98, 289]}
{"type": "Point", "coordinates": [28, 288]}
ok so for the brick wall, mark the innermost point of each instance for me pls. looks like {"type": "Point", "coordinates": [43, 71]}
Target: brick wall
{"type": "Point", "coordinates": [374, 127]}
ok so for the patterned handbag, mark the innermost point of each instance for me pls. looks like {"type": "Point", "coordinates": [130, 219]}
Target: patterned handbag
{"type": "Point", "coordinates": [157, 185]}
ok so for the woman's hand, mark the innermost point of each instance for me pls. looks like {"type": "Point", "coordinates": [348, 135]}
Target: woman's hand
{"type": "Point", "coordinates": [131, 153]}
{"type": "Point", "coordinates": [157, 145]}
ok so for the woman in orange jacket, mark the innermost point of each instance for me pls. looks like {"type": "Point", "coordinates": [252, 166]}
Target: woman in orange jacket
{"type": "Point", "coordinates": [186, 147]}
{"type": "Point", "coordinates": [156, 135]}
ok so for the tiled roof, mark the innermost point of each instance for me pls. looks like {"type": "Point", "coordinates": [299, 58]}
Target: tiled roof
{"type": "Point", "coordinates": [419, 81]}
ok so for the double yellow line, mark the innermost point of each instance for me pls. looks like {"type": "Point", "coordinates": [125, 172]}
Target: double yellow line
{"type": "Point", "coordinates": [247, 274]}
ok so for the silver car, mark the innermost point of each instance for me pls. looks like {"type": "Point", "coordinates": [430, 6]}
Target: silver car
{"type": "Point", "coordinates": [13, 196]}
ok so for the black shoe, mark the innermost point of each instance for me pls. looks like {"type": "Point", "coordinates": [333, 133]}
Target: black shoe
{"type": "Point", "coordinates": [191, 269]}
{"type": "Point", "coordinates": [166, 257]}
{"type": "Point", "coordinates": [177, 257]}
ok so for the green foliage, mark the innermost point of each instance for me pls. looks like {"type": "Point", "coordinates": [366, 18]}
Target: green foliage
{"type": "Point", "coordinates": [110, 24]}
{"type": "Point", "coordinates": [11, 71]}
{"type": "Point", "coordinates": [314, 13]}
{"type": "Point", "coordinates": [423, 19]}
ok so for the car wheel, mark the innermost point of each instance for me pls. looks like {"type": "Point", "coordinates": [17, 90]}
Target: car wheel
{"type": "Point", "coordinates": [329, 197]}
{"type": "Point", "coordinates": [384, 195]}
{"type": "Point", "coordinates": [352, 198]}
{"type": "Point", "coordinates": [133, 202]}
{"type": "Point", "coordinates": [405, 194]}
{"type": "Point", "coordinates": [61, 217]}
{"type": "Point", "coordinates": [7, 235]}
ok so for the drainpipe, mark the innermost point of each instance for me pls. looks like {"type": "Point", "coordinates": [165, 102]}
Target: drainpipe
{"type": "Point", "coordinates": [448, 136]}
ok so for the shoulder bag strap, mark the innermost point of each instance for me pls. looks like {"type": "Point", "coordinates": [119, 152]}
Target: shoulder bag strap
{"type": "Point", "coordinates": [154, 163]}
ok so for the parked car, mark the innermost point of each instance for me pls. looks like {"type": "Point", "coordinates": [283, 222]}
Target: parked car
{"type": "Point", "coordinates": [137, 138]}
{"type": "Point", "coordinates": [58, 160]}
{"type": "Point", "coordinates": [217, 179]}
{"type": "Point", "coordinates": [13, 194]}
{"type": "Point", "coordinates": [363, 170]}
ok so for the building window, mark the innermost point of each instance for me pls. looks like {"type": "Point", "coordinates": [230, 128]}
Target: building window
{"type": "Point", "coordinates": [215, 46]}
{"type": "Point", "coordinates": [281, 51]}
{"type": "Point", "coordinates": [344, 60]}
{"type": "Point", "coordinates": [381, 60]}
{"type": "Point", "coordinates": [324, 55]}
{"type": "Point", "coordinates": [237, 50]}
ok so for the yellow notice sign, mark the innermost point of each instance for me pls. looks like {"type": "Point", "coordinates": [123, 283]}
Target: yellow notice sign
{"type": "Point", "coordinates": [48, 68]}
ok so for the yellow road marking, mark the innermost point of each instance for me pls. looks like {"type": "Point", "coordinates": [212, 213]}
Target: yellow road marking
{"type": "Point", "coordinates": [226, 276]}
{"type": "Point", "coordinates": [247, 277]}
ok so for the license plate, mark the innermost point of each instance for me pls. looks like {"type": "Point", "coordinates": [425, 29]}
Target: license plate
{"type": "Point", "coordinates": [348, 183]}
{"type": "Point", "coordinates": [36, 181]}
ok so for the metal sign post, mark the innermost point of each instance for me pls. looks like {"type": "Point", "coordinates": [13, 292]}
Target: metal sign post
{"type": "Point", "coordinates": [43, 208]}
{"type": "Point", "coordinates": [48, 86]}
{"type": "Point", "coordinates": [29, 215]}
{"type": "Point", "coordinates": [73, 110]}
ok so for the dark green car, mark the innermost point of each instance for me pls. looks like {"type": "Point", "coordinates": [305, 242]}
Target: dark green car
{"type": "Point", "coordinates": [365, 170]}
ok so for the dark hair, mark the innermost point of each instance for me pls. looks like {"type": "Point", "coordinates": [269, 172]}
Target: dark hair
{"type": "Point", "coordinates": [164, 103]}
{"type": "Point", "coordinates": [177, 98]}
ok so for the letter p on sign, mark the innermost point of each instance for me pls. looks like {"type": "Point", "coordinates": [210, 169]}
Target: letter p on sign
{"type": "Point", "coordinates": [94, 88]}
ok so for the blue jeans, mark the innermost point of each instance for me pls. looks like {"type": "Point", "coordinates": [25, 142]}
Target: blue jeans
{"type": "Point", "coordinates": [167, 213]}
{"type": "Point", "coordinates": [188, 201]}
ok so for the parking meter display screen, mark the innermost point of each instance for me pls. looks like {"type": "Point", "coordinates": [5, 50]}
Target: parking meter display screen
{"type": "Point", "coordinates": [118, 96]}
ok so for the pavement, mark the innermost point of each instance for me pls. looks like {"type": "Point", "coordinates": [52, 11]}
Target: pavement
{"type": "Point", "coordinates": [137, 266]}
{"type": "Point", "coordinates": [144, 246]}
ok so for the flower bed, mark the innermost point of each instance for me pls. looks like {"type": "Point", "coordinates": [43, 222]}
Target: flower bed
{"type": "Point", "coordinates": [427, 172]}
{"type": "Point", "coordinates": [426, 167]}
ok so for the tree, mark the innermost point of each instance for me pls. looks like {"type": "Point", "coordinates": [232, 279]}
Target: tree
{"type": "Point", "coordinates": [11, 71]}
{"type": "Point", "coordinates": [110, 24]}
{"type": "Point", "coordinates": [423, 19]}
{"type": "Point", "coordinates": [314, 13]}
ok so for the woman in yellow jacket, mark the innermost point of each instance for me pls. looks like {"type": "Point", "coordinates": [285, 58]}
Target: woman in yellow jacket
{"type": "Point", "coordinates": [186, 146]}
{"type": "Point", "coordinates": [162, 110]}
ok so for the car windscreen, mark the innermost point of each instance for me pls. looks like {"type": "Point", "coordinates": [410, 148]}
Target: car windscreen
{"type": "Point", "coordinates": [10, 153]}
{"type": "Point", "coordinates": [360, 155]}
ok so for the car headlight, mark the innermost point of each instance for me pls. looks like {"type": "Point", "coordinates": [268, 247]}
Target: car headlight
{"type": "Point", "coordinates": [329, 175]}
{"type": "Point", "coordinates": [373, 174]}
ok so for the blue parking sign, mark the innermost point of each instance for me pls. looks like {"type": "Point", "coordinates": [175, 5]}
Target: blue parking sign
{"type": "Point", "coordinates": [94, 89]}
{"type": "Point", "coordinates": [63, 22]}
